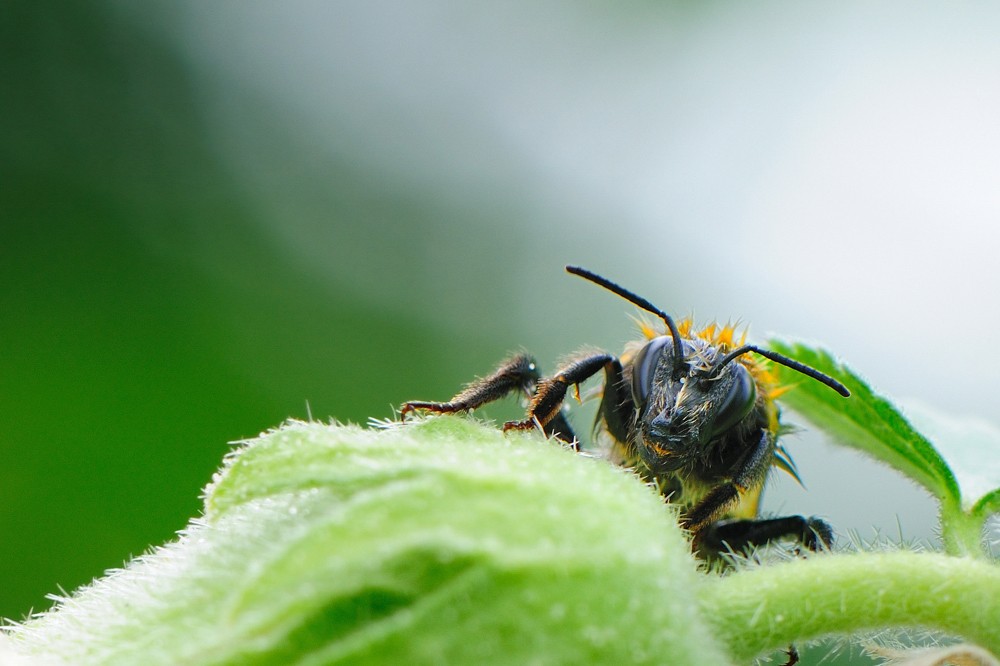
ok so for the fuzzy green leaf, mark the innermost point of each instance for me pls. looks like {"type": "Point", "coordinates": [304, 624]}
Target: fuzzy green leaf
{"type": "Point", "coordinates": [866, 421]}
{"type": "Point", "coordinates": [440, 541]}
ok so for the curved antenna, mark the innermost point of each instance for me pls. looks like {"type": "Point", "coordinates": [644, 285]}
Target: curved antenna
{"type": "Point", "coordinates": [680, 365]}
{"type": "Point", "coordinates": [783, 360]}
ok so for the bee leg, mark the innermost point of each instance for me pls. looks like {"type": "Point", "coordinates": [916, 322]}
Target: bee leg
{"type": "Point", "coordinates": [548, 399]}
{"type": "Point", "coordinates": [617, 408]}
{"type": "Point", "coordinates": [740, 535]}
{"type": "Point", "coordinates": [560, 428]}
{"type": "Point", "coordinates": [750, 474]}
{"type": "Point", "coordinates": [715, 535]}
{"type": "Point", "coordinates": [518, 373]}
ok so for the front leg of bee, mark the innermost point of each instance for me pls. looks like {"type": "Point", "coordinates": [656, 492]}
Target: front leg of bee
{"type": "Point", "coordinates": [518, 373]}
{"type": "Point", "coordinates": [713, 535]}
{"type": "Point", "coordinates": [548, 399]}
{"type": "Point", "coordinates": [740, 535]}
{"type": "Point", "coordinates": [750, 474]}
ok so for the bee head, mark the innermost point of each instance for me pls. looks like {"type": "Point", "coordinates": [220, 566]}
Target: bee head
{"type": "Point", "coordinates": [681, 419]}
{"type": "Point", "coordinates": [688, 393]}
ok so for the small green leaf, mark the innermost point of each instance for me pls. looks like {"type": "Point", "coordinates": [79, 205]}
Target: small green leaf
{"type": "Point", "coordinates": [987, 505]}
{"type": "Point", "coordinates": [866, 421]}
{"type": "Point", "coordinates": [971, 447]}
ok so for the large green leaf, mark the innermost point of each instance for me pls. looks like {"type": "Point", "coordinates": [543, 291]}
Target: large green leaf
{"type": "Point", "coordinates": [441, 541]}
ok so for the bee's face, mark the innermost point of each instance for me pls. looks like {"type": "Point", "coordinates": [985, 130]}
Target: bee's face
{"type": "Point", "coordinates": [682, 415]}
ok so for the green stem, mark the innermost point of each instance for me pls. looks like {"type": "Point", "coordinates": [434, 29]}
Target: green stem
{"type": "Point", "coordinates": [961, 532]}
{"type": "Point", "coordinates": [764, 609]}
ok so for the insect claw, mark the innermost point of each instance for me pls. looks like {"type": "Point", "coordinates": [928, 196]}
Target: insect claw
{"type": "Point", "coordinates": [432, 407]}
{"type": "Point", "coordinates": [520, 425]}
{"type": "Point", "coordinates": [529, 423]}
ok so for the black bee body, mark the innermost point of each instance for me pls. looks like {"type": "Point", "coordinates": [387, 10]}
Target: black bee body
{"type": "Point", "coordinates": [690, 411]}
{"type": "Point", "coordinates": [690, 435]}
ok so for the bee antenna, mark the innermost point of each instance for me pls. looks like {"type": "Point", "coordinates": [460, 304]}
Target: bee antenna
{"type": "Point", "coordinates": [785, 361]}
{"type": "Point", "coordinates": [680, 365]}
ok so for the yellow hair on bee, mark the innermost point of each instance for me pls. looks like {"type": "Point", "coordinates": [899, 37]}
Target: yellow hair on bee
{"type": "Point", "coordinates": [645, 327]}
{"type": "Point", "coordinates": [720, 336]}
{"type": "Point", "coordinates": [779, 391]}
{"type": "Point", "coordinates": [725, 336]}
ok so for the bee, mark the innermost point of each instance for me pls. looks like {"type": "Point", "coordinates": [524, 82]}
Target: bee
{"type": "Point", "coordinates": [692, 412]}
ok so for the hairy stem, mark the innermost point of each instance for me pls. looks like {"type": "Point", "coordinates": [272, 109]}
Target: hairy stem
{"type": "Point", "coordinates": [961, 532]}
{"type": "Point", "coordinates": [762, 609]}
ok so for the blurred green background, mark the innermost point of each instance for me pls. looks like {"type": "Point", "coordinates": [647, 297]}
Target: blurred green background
{"type": "Point", "coordinates": [216, 216]}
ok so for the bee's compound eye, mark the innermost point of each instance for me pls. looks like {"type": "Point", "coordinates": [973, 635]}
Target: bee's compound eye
{"type": "Point", "coordinates": [738, 402]}
{"type": "Point", "coordinates": [644, 367]}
